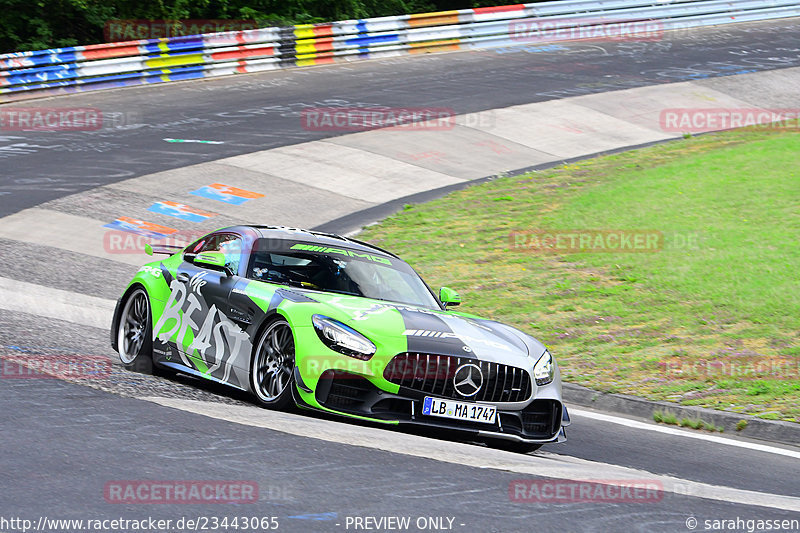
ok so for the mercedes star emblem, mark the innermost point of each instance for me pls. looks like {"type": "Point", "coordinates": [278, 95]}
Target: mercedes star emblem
{"type": "Point", "coordinates": [468, 380]}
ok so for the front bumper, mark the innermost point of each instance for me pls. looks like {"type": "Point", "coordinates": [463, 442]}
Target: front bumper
{"type": "Point", "coordinates": [347, 394]}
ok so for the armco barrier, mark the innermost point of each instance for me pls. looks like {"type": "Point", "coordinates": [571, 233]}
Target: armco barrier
{"type": "Point", "coordinates": [26, 75]}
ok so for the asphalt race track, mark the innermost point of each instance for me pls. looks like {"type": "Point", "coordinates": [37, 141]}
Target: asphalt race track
{"type": "Point", "coordinates": [262, 111]}
{"type": "Point", "coordinates": [63, 442]}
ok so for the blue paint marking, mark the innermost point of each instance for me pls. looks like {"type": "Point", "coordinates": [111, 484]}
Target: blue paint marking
{"type": "Point", "coordinates": [42, 75]}
{"type": "Point", "coordinates": [186, 43]}
{"type": "Point", "coordinates": [132, 228]}
{"type": "Point", "coordinates": [366, 41]}
{"type": "Point", "coordinates": [317, 516]}
{"type": "Point", "coordinates": [68, 57]}
{"type": "Point", "coordinates": [177, 212]}
{"type": "Point", "coordinates": [51, 80]}
{"type": "Point", "coordinates": [28, 87]}
{"type": "Point", "coordinates": [213, 194]}
{"type": "Point", "coordinates": [227, 196]}
{"type": "Point", "coordinates": [192, 74]}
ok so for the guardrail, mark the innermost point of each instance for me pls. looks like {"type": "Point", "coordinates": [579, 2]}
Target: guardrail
{"type": "Point", "coordinates": [39, 73]}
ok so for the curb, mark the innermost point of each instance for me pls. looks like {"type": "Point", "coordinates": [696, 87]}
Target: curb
{"type": "Point", "coordinates": [775, 431]}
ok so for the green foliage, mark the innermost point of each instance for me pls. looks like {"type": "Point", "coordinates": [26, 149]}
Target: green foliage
{"type": "Point", "coordinates": [665, 417]}
{"type": "Point", "coordinates": [40, 24]}
{"type": "Point", "coordinates": [31, 25]}
{"type": "Point", "coordinates": [694, 423]}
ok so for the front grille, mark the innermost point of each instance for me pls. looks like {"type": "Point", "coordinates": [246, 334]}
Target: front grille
{"type": "Point", "coordinates": [433, 374]}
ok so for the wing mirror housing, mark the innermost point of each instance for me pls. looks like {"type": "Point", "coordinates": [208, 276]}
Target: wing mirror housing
{"type": "Point", "coordinates": [449, 297]}
{"type": "Point", "coordinates": [215, 260]}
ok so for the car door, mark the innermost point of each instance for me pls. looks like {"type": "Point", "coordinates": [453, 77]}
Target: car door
{"type": "Point", "coordinates": [195, 321]}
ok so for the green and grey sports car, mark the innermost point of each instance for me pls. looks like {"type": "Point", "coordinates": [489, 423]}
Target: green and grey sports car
{"type": "Point", "coordinates": [337, 325]}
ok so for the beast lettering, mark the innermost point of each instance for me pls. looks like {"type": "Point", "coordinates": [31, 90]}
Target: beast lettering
{"type": "Point", "coordinates": [216, 331]}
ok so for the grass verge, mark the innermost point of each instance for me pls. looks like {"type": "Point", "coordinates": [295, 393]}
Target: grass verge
{"type": "Point", "coordinates": [666, 417]}
{"type": "Point", "coordinates": [709, 319]}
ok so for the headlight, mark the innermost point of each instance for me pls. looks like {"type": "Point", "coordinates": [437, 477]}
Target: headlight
{"type": "Point", "coordinates": [544, 369]}
{"type": "Point", "coordinates": [342, 338]}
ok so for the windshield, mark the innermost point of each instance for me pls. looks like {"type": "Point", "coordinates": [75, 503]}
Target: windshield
{"type": "Point", "coordinates": [341, 271]}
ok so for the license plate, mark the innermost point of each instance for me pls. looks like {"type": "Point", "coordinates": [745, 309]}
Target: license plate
{"type": "Point", "coordinates": [470, 412]}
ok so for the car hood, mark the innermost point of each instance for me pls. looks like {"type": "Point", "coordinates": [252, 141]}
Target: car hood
{"type": "Point", "coordinates": [431, 331]}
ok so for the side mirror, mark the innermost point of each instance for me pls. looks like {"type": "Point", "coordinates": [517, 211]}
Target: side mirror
{"type": "Point", "coordinates": [215, 260]}
{"type": "Point", "coordinates": [449, 297]}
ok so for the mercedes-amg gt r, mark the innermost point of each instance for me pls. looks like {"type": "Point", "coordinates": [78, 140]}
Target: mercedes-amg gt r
{"type": "Point", "coordinates": [337, 325]}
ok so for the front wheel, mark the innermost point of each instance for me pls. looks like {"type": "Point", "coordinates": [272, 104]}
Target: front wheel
{"type": "Point", "coordinates": [134, 341]}
{"type": "Point", "coordinates": [272, 366]}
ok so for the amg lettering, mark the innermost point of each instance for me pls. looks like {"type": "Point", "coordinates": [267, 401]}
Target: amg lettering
{"type": "Point", "coordinates": [341, 251]}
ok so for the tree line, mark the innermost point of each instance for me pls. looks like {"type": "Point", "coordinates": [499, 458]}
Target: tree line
{"type": "Point", "coordinates": [40, 24]}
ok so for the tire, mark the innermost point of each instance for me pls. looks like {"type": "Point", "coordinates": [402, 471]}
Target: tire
{"type": "Point", "coordinates": [514, 446]}
{"type": "Point", "coordinates": [272, 366]}
{"type": "Point", "coordinates": [134, 333]}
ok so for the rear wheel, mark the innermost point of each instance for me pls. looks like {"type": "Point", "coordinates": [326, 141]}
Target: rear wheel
{"type": "Point", "coordinates": [272, 366]}
{"type": "Point", "coordinates": [134, 342]}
